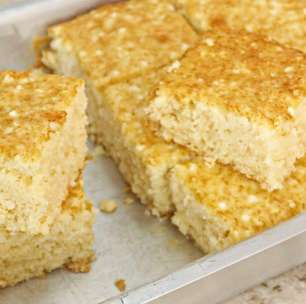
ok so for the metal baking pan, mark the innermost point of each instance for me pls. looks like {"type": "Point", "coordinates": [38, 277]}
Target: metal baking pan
{"type": "Point", "coordinates": [158, 264]}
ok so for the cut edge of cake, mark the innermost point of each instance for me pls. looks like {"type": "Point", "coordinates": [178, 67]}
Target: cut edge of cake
{"type": "Point", "coordinates": [68, 244]}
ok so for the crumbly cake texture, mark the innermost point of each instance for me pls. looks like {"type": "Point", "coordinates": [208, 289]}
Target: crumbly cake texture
{"type": "Point", "coordinates": [135, 37]}
{"type": "Point", "coordinates": [68, 244]}
{"type": "Point", "coordinates": [284, 21]}
{"type": "Point", "coordinates": [238, 98]}
{"type": "Point", "coordinates": [218, 206]}
{"type": "Point", "coordinates": [142, 157]}
{"type": "Point", "coordinates": [42, 146]}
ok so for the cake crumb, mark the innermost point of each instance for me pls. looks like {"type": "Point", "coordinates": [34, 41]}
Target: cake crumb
{"type": "Point", "coordinates": [128, 200]}
{"type": "Point", "coordinates": [108, 206]}
{"type": "Point", "coordinates": [120, 284]}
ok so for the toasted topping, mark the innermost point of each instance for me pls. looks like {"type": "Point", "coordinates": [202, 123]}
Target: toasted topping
{"type": "Point", "coordinates": [252, 199]}
{"type": "Point", "coordinates": [245, 218]}
{"type": "Point", "coordinates": [175, 65]}
{"type": "Point", "coordinates": [13, 114]}
{"type": "Point", "coordinates": [282, 20]}
{"type": "Point", "coordinates": [245, 62]}
{"type": "Point", "coordinates": [222, 205]}
{"type": "Point", "coordinates": [132, 37]}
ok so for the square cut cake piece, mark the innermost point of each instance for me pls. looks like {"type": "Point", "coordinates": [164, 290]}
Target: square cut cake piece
{"type": "Point", "coordinates": [218, 206]}
{"type": "Point", "coordinates": [42, 146]}
{"type": "Point", "coordinates": [118, 41]}
{"type": "Point", "coordinates": [284, 20]}
{"type": "Point", "coordinates": [69, 243]}
{"type": "Point", "coordinates": [240, 99]}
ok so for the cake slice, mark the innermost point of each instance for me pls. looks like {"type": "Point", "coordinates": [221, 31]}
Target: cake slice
{"type": "Point", "coordinates": [240, 99]}
{"type": "Point", "coordinates": [282, 20]}
{"type": "Point", "coordinates": [69, 243]}
{"type": "Point", "coordinates": [42, 147]}
{"type": "Point", "coordinates": [218, 206]}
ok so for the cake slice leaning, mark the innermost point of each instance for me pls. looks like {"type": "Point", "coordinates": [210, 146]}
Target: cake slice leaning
{"type": "Point", "coordinates": [239, 99]}
{"type": "Point", "coordinates": [42, 146]}
{"type": "Point", "coordinates": [68, 243]}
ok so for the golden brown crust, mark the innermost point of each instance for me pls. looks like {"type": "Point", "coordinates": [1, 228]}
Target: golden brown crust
{"type": "Point", "coordinates": [239, 202]}
{"type": "Point", "coordinates": [118, 41]}
{"type": "Point", "coordinates": [283, 20]}
{"type": "Point", "coordinates": [32, 108]}
{"type": "Point", "coordinates": [243, 73]}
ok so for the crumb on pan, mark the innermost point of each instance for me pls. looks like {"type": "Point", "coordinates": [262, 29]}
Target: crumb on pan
{"type": "Point", "coordinates": [108, 206]}
{"type": "Point", "coordinates": [120, 284]}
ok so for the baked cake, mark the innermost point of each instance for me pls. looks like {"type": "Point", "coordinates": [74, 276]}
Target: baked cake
{"type": "Point", "coordinates": [42, 147]}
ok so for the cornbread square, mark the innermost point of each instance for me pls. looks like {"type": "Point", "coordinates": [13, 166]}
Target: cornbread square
{"type": "Point", "coordinates": [42, 147]}
{"type": "Point", "coordinates": [238, 98]}
{"type": "Point", "coordinates": [118, 41]}
{"type": "Point", "coordinates": [284, 21]}
{"type": "Point", "coordinates": [218, 206]}
{"type": "Point", "coordinates": [69, 243]}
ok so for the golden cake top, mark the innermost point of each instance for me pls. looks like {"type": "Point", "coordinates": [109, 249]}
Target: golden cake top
{"type": "Point", "coordinates": [284, 20]}
{"type": "Point", "coordinates": [118, 41]}
{"type": "Point", "coordinates": [242, 73]}
{"type": "Point", "coordinates": [126, 101]}
{"type": "Point", "coordinates": [32, 108]}
{"type": "Point", "coordinates": [241, 203]}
